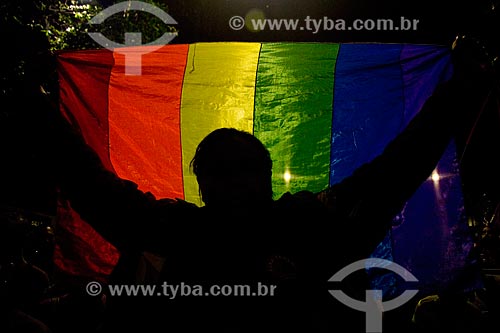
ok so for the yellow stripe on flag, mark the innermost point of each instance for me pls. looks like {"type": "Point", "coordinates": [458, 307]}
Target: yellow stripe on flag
{"type": "Point", "coordinates": [218, 91]}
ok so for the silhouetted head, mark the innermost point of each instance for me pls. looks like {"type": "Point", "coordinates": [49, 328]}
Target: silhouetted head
{"type": "Point", "coordinates": [232, 168]}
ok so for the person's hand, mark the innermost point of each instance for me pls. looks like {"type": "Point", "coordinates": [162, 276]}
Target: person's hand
{"type": "Point", "coordinates": [473, 61]}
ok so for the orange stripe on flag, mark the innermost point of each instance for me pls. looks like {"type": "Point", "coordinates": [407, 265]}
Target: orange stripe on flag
{"type": "Point", "coordinates": [144, 119]}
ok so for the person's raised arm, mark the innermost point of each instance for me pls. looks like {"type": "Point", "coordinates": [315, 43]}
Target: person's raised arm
{"type": "Point", "coordinates": [115, 207]}
{"type": "Point", "coordinates": [377, 191]}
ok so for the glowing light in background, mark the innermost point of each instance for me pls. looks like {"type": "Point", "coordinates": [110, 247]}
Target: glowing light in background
{"type": "Point", "coordinates": [287, 176]}
{"type": "Point", "coordinates": [435, 176]}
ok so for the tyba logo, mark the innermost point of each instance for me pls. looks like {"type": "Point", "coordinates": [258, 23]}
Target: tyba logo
{"type": "Point", "coordinates": [373, 305]}
{"type": "Point", "coordinates": [133, 56]}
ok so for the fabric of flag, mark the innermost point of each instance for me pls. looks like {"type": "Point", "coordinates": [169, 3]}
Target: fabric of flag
{"type": "Point", "coordinates": [322, 109]}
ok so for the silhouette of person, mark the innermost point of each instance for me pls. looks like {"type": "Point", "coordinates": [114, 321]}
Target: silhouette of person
{"type": "Point", "coordinates": [242, 236]}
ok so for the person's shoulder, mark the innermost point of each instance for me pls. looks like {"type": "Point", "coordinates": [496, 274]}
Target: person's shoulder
{"type": "Point", "coordinates": [300, 195]}
{"type": "Point", "coordinates": [299, 200]}
{"type": "Point", "coordinates": [176, 202]}
{"type": "Point", "coordinates": [175, 207]}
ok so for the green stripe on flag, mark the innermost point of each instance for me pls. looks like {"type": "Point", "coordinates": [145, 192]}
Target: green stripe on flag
{"type": "Point", "coordinates": [293, 112]}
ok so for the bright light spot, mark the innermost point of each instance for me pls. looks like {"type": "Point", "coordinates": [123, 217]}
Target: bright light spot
{"type": "Point", "coordinates": [254, 15]}
{"type": "Point", "coordinates": [435, 176]}
{"type": "Point", "coordinates": [287, 176]}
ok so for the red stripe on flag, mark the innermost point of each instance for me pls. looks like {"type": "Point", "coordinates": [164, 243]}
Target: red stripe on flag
{"type": "Point", "coordinates": [83, 82]}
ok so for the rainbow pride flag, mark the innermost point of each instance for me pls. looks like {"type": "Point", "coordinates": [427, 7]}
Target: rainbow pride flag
{"type": "Point", "coordinates": [322, 109]}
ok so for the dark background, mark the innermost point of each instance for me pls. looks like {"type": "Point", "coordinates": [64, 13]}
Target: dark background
{"type": "Point", "coordinates": [439, 21]}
